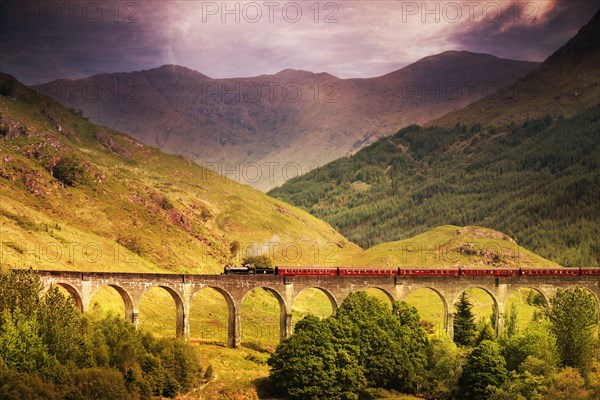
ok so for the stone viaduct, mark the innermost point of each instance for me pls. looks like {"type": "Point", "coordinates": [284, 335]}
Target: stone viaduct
{"type": "Point", "coordinates": [131, 287]}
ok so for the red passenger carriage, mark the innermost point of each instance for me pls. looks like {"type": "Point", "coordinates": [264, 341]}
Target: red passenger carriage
{"type": "Point", "coordinates": [368, 271]}
{"type": "Point", "coordinates": [305, 271]}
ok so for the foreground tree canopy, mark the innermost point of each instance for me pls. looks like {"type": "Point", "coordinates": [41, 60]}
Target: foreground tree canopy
{"type": "Point", "coordinates": [366, 346]}
{"type": "Point", "coordinates": [49, 350]}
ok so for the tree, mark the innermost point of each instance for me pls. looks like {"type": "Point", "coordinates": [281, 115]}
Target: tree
{"type": "Point", "coordinates": [19, 289]}
{"type": "Point", "coordinates": [21, 346]}
{"type": "Point", "coordinates": [51, 351]}
{"type": "Point", "coordinates": [60, 326]}
{"type": "Point", "coordinates": [484, 371]}
{"type": "Point", "coordinates": [364, 343]}
{"type": "Point", "coordinates": [464, 322]}
{"type": "Point", "coordinates": [535, 341]}
{"type": "Point", "coordinates": [311, 364]}
{"type": "Point", "coordinates": [444, 367]}
{"type": "Point", "coordinates": [485, 331]}
{"type": "Point", "coordinates": [392, 344]}
{"type": "Point", "coordinates": [573, 317]}
{"type": "Point", "coordinates": [512, 324]}
{"type": "Point", "coordinates": [568, 385]}
{"type": "Point", "coordinates": [258, 261]}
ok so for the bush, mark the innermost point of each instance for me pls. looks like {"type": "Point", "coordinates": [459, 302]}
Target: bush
{"type": "Point", "coordinates": [7, 88]}
{"type": "Point", "coordinates": [98, 384]}
{"type": "Point", "coordinates": [22, 386]}
{"type": "Point", "coordinates": [69, 171]}
{"type": "Point", "coordinates": [166, 204]}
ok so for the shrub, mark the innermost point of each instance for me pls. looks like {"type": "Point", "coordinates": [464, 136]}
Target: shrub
{"type": "Point", "coordinates": [69, 171]}
{"type": "Point", "coordinates": [133, 244]}
{"type": "Point", "coordinates": [99, 384]}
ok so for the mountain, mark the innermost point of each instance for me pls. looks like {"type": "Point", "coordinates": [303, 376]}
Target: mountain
{"type": "Point", "coordinates": [539, 182]}
{"type": "Point", "coordinates": [77, 196]}
{"type": "Point", "coordinates": [565, 84]}
{"type": "Point", "coordinates": [537, 179]}
{"type": "Point", "coordinates": [263, 130]}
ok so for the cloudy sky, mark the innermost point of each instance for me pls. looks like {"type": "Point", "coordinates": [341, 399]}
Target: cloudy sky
{"type": "Point", "coordinates": [46, 40]}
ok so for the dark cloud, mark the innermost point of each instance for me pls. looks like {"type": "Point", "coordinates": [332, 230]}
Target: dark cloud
{"type": "Point", "coordinates": [525, 34]}
{"type": "Point", "coordinates": [41, 41]}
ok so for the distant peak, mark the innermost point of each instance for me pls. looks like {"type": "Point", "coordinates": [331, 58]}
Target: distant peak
{"type": "Point", "coordinates": [459, 54]}
{"type": "Point", "coordinates": [299, 73]}
{"type": "Point", "coordinates": [175, 69]}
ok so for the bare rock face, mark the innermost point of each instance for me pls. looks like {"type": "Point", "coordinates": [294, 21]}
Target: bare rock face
{"type": "Point", "coordinates": [267, 129]}
{"type": "Point", "coordinates": [483, 233]}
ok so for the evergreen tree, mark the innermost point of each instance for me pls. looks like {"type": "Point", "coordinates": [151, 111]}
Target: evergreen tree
{"type": "Point", "coordinates": [465, 329]}
{"type": "Point", "coordinates": [573, 317]}
{"type": "Point", "coordinates": [512, 324]}
{"type": "Point", "coordinates": [484, 371]}
{"type": "Point", "coordinates": [485, 332]}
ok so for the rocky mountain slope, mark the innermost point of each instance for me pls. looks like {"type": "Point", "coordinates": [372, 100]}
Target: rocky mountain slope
{"type": "Point", "coordinates": [77, 196]}
{"type": "Point", "coordinates": [74, 195]}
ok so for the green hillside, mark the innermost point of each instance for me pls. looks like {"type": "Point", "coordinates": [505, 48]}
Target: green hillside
{"type": "Point", "coordinates": [74, 195]}
{"type": "Point", "coordinates": [538, 181]}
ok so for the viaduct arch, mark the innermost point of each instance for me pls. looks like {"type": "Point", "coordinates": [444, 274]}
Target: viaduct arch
{"type": "Point", "coordinates": [132, 286]}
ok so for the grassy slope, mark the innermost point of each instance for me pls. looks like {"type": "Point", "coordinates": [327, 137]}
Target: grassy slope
{"type": "Point", "coordinates": [167, 213]}
{"type": "Point", "coordinates": [449, 245]}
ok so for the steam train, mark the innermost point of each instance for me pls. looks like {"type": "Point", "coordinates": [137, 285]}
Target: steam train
{"type": "Point", "coordinates": [441, 272]}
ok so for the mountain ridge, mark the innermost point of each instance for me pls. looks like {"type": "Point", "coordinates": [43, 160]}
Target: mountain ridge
{"type": "Point", "coordinates": [293, 120]}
